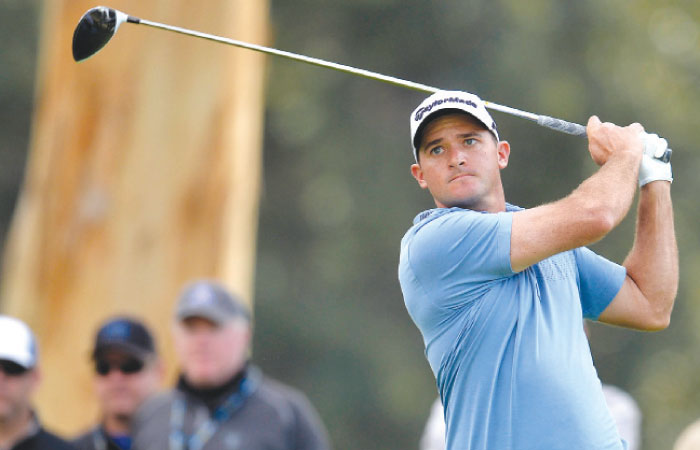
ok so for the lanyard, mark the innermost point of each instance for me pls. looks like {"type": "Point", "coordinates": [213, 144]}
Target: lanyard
{"type": "Point", "coordinates": [196, 441]}
{"type": "Point", "coordinates": [102, 441]}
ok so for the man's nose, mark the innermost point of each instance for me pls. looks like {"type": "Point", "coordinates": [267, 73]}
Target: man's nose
{"type": "Point", "coordinates": [456, 158]}
{"type": "Point", "coordinates": [115, 374]}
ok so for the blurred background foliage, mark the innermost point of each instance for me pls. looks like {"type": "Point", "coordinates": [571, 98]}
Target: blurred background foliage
{"type": "Point", "coordinates": [338, 194]}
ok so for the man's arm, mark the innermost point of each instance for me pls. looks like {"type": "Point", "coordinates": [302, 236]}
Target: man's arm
{"type": "Point", "coordinates": [646, 298]}
{"type": "Point", "coordinates": [592, 210]}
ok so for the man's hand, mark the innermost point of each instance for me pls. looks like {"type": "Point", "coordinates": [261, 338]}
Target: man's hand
{"type": "Point", "coordinates": [652, 169]}
{"type": "Point", "coordinates": [606, 140]}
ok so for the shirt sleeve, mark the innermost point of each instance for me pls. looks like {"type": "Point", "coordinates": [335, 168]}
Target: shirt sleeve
{"type": "Point", "coordinates": [459, 253]}
{"type": "Point", "coordinates": [599, 281]}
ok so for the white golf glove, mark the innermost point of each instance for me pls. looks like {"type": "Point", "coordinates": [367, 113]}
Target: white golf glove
{"type": "Point", "coordinates": [653, 169]}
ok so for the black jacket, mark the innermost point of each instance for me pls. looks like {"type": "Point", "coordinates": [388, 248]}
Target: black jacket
{"type": "Point", "coordinates": [42, 440]}
{"type": "Point", "coordinates": [95, 439]}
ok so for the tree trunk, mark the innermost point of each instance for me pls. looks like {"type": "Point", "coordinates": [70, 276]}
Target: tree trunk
{"type": "Point", "coordinates": [143, 173]}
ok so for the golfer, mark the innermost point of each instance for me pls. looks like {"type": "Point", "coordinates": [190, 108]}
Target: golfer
{"type": "Point", "coordinates": [498, 292]}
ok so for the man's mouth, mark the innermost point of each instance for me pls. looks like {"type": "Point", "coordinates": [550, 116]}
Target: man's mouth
{"type": "Point", "coordinates": [460, 175]}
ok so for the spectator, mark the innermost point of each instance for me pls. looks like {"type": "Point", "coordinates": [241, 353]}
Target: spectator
{"type": "Point", "coordinates": [689, 438]}
{"type": "Point", "coordinates": [127, 371]}
{"type": "Point", "coordinates": [433, 437]}
{"type": "Point", "coordinates": [623, 408]}
{"type": "Point", "coordinates": [221, 401]}
{"type": "Point", "coordinates": [19, 377]}
{"type": "Point", "coordinates": [627, 415]}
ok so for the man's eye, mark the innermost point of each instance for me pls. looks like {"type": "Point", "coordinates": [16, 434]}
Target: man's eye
{"type": "Point", "coordinates": [469, 141]}
{"type": "Point", "coordinates": [436, 150]}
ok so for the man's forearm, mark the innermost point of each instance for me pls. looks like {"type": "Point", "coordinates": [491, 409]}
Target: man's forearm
{"type": "Point", "coordinates": [653, 261]}
{"type": "Point", "coordinates": [612, 188]}
{"type": "Point", "coordinates": [585, 216]}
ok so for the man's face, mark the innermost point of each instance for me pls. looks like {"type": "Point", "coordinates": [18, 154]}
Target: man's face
{"type": "Point", "coordinates": [16, 390]}
{"type": "Point", "coordinates": [460, 163]}
{"type": "Point", "coordinates": [123, 382]}
{"type": "Point", "coordinates": [210, 354]}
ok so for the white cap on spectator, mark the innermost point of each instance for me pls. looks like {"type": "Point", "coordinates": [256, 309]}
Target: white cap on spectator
{"type": "Point", "coordinates": [17, 343]}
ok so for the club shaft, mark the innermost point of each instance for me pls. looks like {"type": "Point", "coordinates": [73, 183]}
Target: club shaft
{"type": "Point", "coordinates": [553, 123]}
{"type": "Point", "coordinates": [549, 122]}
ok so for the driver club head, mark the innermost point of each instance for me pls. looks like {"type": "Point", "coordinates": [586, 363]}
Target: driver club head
{"type": "Point", "coordinates": [95, 29]}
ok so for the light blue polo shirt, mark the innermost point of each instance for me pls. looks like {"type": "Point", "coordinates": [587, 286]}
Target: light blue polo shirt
{"type": "Point", "coordinates": [512, 362]}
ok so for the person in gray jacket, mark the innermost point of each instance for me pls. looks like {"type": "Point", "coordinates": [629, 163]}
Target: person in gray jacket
{"type": "Point", "coordinates": [221, 400]}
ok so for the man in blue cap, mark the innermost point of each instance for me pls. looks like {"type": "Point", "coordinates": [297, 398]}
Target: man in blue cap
{"type": "Point", "coordinates": [127, 371]}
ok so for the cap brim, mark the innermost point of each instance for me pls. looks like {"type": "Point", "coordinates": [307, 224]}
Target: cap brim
{"type": "Point", "coordinates": [129, 349]}
{"type": "Point", "coordinates": [19, 361]}
{"type": "Point", "coordinates": [216, 317]}
{"type": "Point", "coordinates": [436, 114]}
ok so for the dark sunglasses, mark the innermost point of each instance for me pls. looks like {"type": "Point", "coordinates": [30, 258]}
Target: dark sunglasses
{"type": "Point", "coordinates": [12, 369]}
{"type": "Point", "coordinates": [127, 367]}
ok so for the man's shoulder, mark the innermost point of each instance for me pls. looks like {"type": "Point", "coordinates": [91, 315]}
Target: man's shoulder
{"type": "Point", "coordinates": [156, 404]}
{"type": "Point", "coordinates": [438, 218]}
{"type": "Point", "coordinates": [273, 390]}
{"type": "Point", "coordinates": [435, 231]}
{"type": "Point", "coordinates": [294, 410]}
{"type": "Point", "coordinates": [444, 213]}
{"type": "Point", "coordinates": [150, 424]}
{"type": "Point", "coordinates": [85, 440]}
{"type": "Point", "coordinates": [430, 219]}
{"type": "Point", "coordinates": [430, 215]}
{"type": "Point", "coordinates": [279, 396]}
{"type": "Point", "coordinates": [44, 439]}
{"type": "Point", "coordinates": [153, 412]}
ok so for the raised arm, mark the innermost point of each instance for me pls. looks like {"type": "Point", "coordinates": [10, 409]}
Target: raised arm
{"type": "Point", "coordinates": [649, 291]}
{"type": "Point", "coordinates": [593, 209]}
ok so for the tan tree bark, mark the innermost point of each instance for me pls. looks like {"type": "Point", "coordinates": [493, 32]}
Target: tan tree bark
{"type": "Point", "coordinates": [143, 173]}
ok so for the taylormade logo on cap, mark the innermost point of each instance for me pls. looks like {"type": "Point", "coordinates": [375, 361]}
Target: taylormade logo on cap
{"type": "Point", "coordinates": [445, 100]}
{"type": "Point", "coordinates": [426, 109]}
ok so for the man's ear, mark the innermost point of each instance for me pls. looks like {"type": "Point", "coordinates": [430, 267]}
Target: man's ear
{"type": "Point", "coordinates": [503, 150]}
{"type": "Point", "coordinates": [417, 173]}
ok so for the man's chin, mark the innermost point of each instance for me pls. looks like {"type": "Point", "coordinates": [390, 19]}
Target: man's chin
{"type": "Point", "coordinates": [204, 380]}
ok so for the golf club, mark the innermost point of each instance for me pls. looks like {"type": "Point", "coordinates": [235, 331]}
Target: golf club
{"type": "Point", "coordinates": [99, 24]}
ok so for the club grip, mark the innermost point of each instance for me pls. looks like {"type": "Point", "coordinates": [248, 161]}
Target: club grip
{"type": "Point", "coordinates": [561, 125]}
{"type": "Point", "coordinates": [579, 130]}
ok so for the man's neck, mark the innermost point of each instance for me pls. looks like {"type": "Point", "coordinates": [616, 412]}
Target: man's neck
{"type": "Point", "coordinates": [116, 425]}
{"type": "Point", "coordinates": [16, 428]}
{"type": "Point", "coordinates": [494, 203]}
{"type": "Point", "coordinates": [213, 396]}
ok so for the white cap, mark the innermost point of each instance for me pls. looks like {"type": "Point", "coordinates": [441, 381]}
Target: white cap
{"type": "Point", "coordinates": [448, 100]}
{"type": "Point", "coordinates": [17, 343]}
